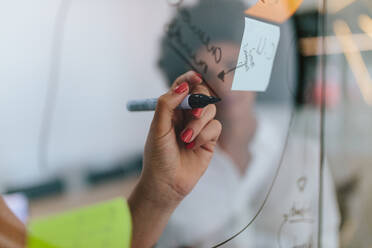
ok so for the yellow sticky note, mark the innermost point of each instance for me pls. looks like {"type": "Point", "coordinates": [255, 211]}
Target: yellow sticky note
{"type": "Point", "coordinates": [105, 225]}
{"type": "Point", "coordinates": [274, 10]}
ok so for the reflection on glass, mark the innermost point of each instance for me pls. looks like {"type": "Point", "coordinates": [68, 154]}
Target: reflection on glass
{"type": "Point", "coordinates": [265, 173]}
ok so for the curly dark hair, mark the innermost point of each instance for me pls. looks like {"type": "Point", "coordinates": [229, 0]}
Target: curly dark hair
{"type": "Point", "coordinates": [196, 27]}
{"type": "Point", "coordinates": [209, 21]}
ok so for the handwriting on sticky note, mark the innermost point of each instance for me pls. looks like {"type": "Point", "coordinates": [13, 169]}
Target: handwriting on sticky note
{"type": "Point", "coordinates": [106, 225]}
{"type": "Point", "coordinates": [256, 56]}
{"type": "Point", "coordinates": [274, 10]}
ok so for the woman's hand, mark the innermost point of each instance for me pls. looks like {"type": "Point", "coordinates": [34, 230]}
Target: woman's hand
{"type": "Point", "coordinates": [179, 147]}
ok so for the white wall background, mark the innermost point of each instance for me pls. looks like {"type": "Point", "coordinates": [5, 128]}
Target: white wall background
{"type": "Point", "coordinates": [109, 56]}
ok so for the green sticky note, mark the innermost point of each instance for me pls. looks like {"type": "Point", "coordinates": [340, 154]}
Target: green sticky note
{"type": "Point", "coordinates": [105, 225]}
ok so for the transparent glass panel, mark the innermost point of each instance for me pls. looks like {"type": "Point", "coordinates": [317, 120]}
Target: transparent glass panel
{"type": "Point", "coordinates": [291, 166]}
{"type": "Point", "coordinates": [348, 128]}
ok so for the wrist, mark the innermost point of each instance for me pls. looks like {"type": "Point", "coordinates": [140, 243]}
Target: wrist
{"type": "Point", "coordinates": [149, 214]}
{"type": "Point", "coordinates": [158, 196]}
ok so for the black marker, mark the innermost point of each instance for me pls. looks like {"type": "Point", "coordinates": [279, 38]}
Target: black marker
{"type": "Point", "coordinates": [190, 102]}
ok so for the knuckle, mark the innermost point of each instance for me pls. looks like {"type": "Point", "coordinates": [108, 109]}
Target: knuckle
{"type": "Point", "coordinates": [177, 80]}
{"type": "Point", "coordinates": [201, 89]}
{"type": "Point", "coordinates": [189, 74]}
{"type": "Point", "coordinates": [210, 112]}
{"type": "Point", "coordinates": [197, 125]}
{"type": "Point", "coordinates": [218, 125]}
{"type": "Point", "coordinates": [213, 110]}
{"type": "Point", "coordinates": [202, 138]}
{"type": "Point", "coordinates": [183, 77]}
{"type": "Point", "coordinates": [162, 101]}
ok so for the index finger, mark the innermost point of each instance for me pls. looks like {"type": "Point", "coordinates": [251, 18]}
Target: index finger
{"type": "Point", "coordinates": [192, 77]}
{"type": "Point", "coordinates": [201, 88]}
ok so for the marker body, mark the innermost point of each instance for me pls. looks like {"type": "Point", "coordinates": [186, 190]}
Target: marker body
{"type": "Point", "coordinates": [142, 105]}
{"type": "Point", "coordinates": [190, 102]}
{"type": "Point", "coordinates": [150, 104]}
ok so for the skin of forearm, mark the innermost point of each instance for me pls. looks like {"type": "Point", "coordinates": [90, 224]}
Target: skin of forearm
{"type": "Point", "coordinates": [149, 218]}
{"type": "Point", "coordinates": [148, 221]}
{"type": "Point", "coordinates": [12, 230]}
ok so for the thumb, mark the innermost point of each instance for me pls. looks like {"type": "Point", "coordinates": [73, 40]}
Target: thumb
{"type": "Point", "coordinates": [165, 107]}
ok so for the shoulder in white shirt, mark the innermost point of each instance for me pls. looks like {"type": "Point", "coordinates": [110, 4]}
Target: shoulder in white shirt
{"type": "Point", "coordinates": [223, 201]}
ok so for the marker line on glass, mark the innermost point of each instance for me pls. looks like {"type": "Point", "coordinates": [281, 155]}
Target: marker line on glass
{"type": "Point", "coordinates": [191, 101]}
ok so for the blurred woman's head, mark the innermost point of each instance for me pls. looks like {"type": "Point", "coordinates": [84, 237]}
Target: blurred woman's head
{"type": "Point", "coordinates": [206, 38]}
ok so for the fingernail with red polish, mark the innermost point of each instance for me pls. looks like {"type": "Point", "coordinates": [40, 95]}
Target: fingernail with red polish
{"type": "Point", "coordinates": [181, 88]}
{"type": "Point", "coordinates": [198, 77]}
{"type": "Point", "coordinates": [190, 145]}
{"type": "Point", "coordinates": [197, 112]}
{"type": "Point", "coordinates": [186, 135]}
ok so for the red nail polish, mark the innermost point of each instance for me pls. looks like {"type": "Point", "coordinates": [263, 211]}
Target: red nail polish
{"type": "Point", "coordinates": [190, 145]}
{"type": "Point", "coordinates": [197, 112]}
{"type": "Point", "coordinates": [199, 76]}
{"type": "Point", "coordinates": [181, 88]}
{"type": "Point", "coordinates": [186, 135]}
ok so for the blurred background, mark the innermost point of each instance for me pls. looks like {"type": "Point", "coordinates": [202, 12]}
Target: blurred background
{"type": "Point", "coordinates": [68, 67]}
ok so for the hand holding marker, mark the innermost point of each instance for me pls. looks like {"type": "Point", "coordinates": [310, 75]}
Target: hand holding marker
{"type": "Point", "coordinates": [191, 101]}
{"type": "Point", "coordinates": [178, 150]}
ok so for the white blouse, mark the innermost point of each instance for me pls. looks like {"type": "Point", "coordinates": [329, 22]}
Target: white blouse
{"type": "Point", "coordinates": [224, 201]}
